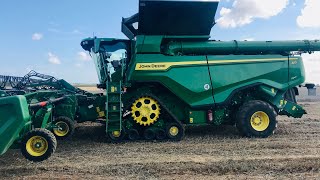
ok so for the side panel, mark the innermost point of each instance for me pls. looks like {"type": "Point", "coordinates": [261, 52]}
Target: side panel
{"type": "Point", "coordinates": [185, 76]}
{"type": "Point", "coordinates": [296, 72]}
{"type": "Point", "coordinates": [14, 114]}
{"type": "Point", "coordinates": [232, 72]}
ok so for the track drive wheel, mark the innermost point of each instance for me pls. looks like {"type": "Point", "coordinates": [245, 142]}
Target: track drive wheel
{"type": "Point", "coordinates": [145, 111]}
{"type": "Point", "coordinates": [256, 119]}
{"type": "Point", "coordinates": [175, 131]}
{"type": "Point", "coordinates": [38, 145]}
{"type": "Point", "coordinates": [65, 127]}
{"type": "Point", "coordinates": [116, 136]}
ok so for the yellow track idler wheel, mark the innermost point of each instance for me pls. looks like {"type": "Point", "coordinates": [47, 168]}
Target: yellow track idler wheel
{"type": "Point", "coordinates": [64, 127]}
{"type": "Point", "coordinates": [116, 136]}
{"type": "Point", "coordinates": [38, 145]}
{"type": "Point", "coordinates": [175, 131]}
{"type": "Point", "coordinates": [256, 119]}
{"type": "Point", "coordinates": [145, 111]}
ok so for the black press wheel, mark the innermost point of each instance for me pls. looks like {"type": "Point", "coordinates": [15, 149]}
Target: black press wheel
{"type": "Point", "coordinates": [133, 135]}
{"type": "Point", "coordinates": [175, 131]}
{"type": "Point", "coordinates": [64, 127]}
{"type": "Point", "coordinates": [256, 119]}
{"type": "Point", "coordinates": [116, 136]}
{"type": "Point", "coordinates": [38, 145]}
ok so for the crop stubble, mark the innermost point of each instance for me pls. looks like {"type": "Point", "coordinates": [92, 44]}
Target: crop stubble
{"type": "Point", "coordinates": [205, 153]}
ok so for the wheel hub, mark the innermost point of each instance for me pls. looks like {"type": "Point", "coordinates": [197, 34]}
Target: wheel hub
{"type": "Point", "coordinates": [37, 146]}
{"type": "Point", "coordinates": [145, 111]}
{"type": "Point", "coordinates": [116, 134]}
{"type": "Point", "coordinates": [174, 131]}
{"type": "Point", "coordinates": [257, 121]}
{"type": "Point", "coordinates": [62, 130]}
{"type": "Point", "coordinates": [260, 121]}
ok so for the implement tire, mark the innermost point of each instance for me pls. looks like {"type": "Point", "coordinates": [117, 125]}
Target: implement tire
{"type": "Point", "coordinates": [256, 119]}
{"type": "Point", "coordinates": [67, 127]}
{"type": "Point", "coordinates": [38, 145]}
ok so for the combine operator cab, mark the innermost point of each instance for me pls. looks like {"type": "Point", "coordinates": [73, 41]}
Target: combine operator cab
{"type": "Point", "coordinates": [110, 57]}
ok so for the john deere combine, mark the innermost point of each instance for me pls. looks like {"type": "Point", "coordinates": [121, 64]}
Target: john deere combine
{"type": "Point", "coordinates": [168, 74]}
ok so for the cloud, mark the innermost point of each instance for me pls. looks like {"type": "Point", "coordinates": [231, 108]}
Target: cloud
{"type": "Point", "coordinates": [37, 36]}
{"type": "Point", "coordinates": [312, 64]}
{"type": "Point", "coordinates": [244, 12]}
{"type": "Point", "coordinates": [248, 39]}
{"type": "Point", "coordinates": [59, 31]}
{"type": "Point", "coordinates": [53, 59]}
{"type": "Point", "coordinates": [79, 65]}
{"type": "Point", "coordinates": [76, 31]}
{"type": "Point", "coordinates": [84, 56]}
{"type": "Point", "coordinates": [309, 15]}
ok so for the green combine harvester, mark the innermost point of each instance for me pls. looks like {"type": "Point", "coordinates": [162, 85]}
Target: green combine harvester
{"type": "Point", "coordinates": [168, 74]}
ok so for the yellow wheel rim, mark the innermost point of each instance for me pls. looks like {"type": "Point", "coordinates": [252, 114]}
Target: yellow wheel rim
{"type": "Point", "coordinates": [174, 131]}
{"type": "Point", "coordinates": [260, 121]}
{"type": "Point", "coordinates": [145, 111]}
{"type": "Point", "coordinates": [37, 146]}
{"type": "Point", "coordinates": [62, 129]}
{"type": "Point", "coordinates": [116, 134]}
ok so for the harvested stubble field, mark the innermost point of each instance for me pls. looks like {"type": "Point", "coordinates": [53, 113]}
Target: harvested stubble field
{"type": "Point", "coordinates": [205, 153]}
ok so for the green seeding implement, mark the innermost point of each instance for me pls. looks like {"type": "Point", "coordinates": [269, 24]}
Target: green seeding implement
{"type": "Point", "coordinates": [28, 126]}
{"type": "Point", "coordinates": [168, 75]}
{"type": "Point", "coordinates": [78, 105]}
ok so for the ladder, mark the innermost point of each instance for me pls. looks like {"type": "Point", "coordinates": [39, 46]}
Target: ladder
{"type": "Point", "coordinates": [114, 107]}
{"type": "Point", "coordinates": [114, 103]}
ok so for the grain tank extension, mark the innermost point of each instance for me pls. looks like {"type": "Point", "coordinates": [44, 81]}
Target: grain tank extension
{"type": "Point", "coordinates": [168, 74]}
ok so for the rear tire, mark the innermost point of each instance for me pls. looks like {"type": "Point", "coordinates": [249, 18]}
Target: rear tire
{"type": "Point", "coordinates": [38, 145]}
{"type": "Point", "coordinates": [256, 119]}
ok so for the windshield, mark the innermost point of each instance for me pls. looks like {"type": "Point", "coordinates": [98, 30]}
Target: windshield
{"type": "Point", "coordinates": [109, 59]}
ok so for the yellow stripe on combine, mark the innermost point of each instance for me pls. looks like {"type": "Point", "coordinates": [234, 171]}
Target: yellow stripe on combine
{"type": "Point", "coordinates": [163, 66]}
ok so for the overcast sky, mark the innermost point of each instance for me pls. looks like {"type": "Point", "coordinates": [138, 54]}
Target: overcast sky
{"type": "Point", "coordinates": [45, 35]}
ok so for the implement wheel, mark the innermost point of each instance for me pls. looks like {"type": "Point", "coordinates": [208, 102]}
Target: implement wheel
{"type": "Point", "coordinates": [256, 119]}
{"type": "Point", "coordinates": [175, 131]}
{"type": "Point", "coordinates": [65, 127]}
{"type": "Point", "coordinates": [38, 145]}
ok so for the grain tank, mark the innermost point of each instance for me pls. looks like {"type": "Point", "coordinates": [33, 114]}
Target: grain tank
{"type": "Point", "coordinates": [168, 75]}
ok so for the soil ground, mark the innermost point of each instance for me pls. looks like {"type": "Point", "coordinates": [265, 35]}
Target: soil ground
{"type": "Point", "coordinates": [205, 153]}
